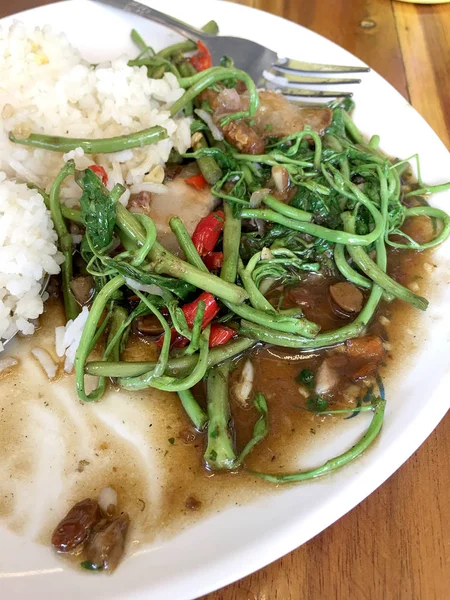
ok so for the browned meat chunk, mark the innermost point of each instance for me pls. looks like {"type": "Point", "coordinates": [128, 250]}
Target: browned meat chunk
{"type": "Point", "coordinates": [365, 354]}
{"type": "Point", "coordinates": [366, 370]}
{"type": "Point", "coordinates": [369, 347]}
{"type": "Point", "coordinates": [140, 202]}
{"type": "Point", "coordinates": [243, 137]}
{"type": "Point", "coordinates": [82, 288]}
{"type": "Point", "coordinates": [277, 117]}
{"type": "Point", "coordinates": [105, 548]}
{"type": "Point", "coordinates": [209, 96]}
{"type": "Point", "coordinates": [312, 295]}
{"type": "Point", "coordinates": [172, 171]}
{"type": "Point", "coordinates": [148, 325]}
{"type": "Point", "coordinates": [357, 359]}
{"type": "Point", "coordinates": [347, 296]}
{"type": "Point", "coordinates": [77, 525]}
{"type": "Point", "coordinates": [223, 103]}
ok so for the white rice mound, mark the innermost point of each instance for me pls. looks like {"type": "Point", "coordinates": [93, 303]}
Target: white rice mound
{"type": "Point", "coordinates": [47, 87]}
{"type": "Point", "coordinates": [27, 251]}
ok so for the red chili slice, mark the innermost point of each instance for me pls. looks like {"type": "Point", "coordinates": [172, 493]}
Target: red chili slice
{"type": "Point", "coordinates": [197, 181]}
{"type": "Point", "coordinates": [211, 309]}
{"type": "Point", "coordinates": [220, 334]}
{"type": "Point", "coordinates": [100, 171]}
{"type": "Point", "coordinates": [176, 340]}
{"type": "Point", "coordinates": [207, 232]}
{"type": "Point", "coordinates": [202, 58]}
{"type": "Point", "coordinates": [213, 260]}
{"type": "Point", "coordinates": [189, 310]}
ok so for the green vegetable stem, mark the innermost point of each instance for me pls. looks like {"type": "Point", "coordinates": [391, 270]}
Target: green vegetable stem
{"type": "Point", "coordinates": [162, 261]}
{"type": "Point", "coordinates": [339, 461]}
{"type": "Point", "coordinates": [65, 241]}
{"type": "Point", "coordinates": [94, 146]}
{"type": "Point", "coordinates": [219, 453]}
{"type": "Point", "coordinates": [175, 366]}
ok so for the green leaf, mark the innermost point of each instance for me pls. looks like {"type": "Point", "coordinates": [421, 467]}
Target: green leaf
{"type": "Point", "coordinates": [87, 564]}
{"type": "Point", "coordinates": [227, 62]}
{"type": "Point", "coordinates": [348, 104]}
{"type": "Point", "coordinates": [234, 180]}
{"type": "Point", "coordinates": [325, 208]}
{"type": "Point", "coordinates": [205, 105]}
{"type": "Point", "coordinates": [337, 126]}
{"type": "Point", "coordinates": [223, 158]}
{"type": "Point", "coordinates": [97, 209]}
{"type": "Point", "coordinates": [177, 286]}
{"type": "Point", "coordinates": [306, 376]}
{"type": "Point", "coordinates": [317, 404]}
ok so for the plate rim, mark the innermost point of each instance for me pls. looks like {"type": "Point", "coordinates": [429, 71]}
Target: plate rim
{"type": "Point", "coordinates": [364, 490]}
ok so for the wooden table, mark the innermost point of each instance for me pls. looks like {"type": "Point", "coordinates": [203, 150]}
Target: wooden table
{"type": "Point", "coordinates": [396, 544]}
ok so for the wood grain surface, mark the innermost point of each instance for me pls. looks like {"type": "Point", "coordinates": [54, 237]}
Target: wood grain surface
{"type": "Point", "coordinates": [396, 544]}
{"type": "Point", "coordinates": [424, 37]}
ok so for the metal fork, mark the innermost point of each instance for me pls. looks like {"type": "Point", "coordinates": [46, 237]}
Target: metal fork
{"type": "Point", "coordinates": [262, 64]}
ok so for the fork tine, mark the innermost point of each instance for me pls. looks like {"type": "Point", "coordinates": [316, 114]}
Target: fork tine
{"type": "Point", "coordinates": [304, 93]}
{"type": "Point", "coordinates": [286, 78]}
{"type": "Point", "coordinates": [289, 64]}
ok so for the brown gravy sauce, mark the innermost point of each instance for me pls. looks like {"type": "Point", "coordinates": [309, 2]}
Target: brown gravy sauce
{"type": "Point", "coordinates": [143, 445]}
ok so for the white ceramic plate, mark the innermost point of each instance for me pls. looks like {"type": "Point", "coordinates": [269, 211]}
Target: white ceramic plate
{"type": "Point", "coordinates": [240, 540]}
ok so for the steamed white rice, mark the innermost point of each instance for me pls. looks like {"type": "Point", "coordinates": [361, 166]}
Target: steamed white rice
{"type": "Point", "coordinates": [68, 337]}
{"type": "Point", "coordinates": [27, 251]}
{"type": "Point", "coordinates": [47, 87]}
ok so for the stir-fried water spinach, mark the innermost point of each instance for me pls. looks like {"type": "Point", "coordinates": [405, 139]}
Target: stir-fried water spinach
{"type": "Point", "coordinates": [327, 203]}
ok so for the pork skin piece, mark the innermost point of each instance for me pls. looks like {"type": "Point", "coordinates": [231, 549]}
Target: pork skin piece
{"type": "Point", "coordinates": [277, 117]}
{"type": "Point", "coordinates": [181, 200]}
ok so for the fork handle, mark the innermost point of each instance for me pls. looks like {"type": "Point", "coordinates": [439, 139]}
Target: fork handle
{"type": "Point", "coordinates": [136, 8]}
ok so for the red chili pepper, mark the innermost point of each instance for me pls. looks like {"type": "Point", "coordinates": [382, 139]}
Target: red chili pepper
{"type": "Point", "coordinates": [189, 310]}
{"type": "Point", "coordinates": [220, 334]}
{"type": "Point", "coordinates": [100, 171]}
{"type": "Point", "coordinates": [176, 340]}
{"type": "Point", "coordinates": [197, 181]}
{"type": "Point", "coordinates": [202, 59]}
{"type": "Point", "coordinates": [207, 232]}
{"type": "Point", "coordinates": [213, 260]}
{"type": "Point", "coordinates": [180, 342]}
{"type": "Point", "coordinates": [211, 309]}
